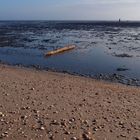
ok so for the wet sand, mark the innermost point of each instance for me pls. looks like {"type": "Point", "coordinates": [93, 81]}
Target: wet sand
{"type": "Point", "coordinates": [39, 105]}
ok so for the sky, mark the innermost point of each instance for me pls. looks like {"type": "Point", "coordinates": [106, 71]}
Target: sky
{"type": "Point", "coordinates": [69, 9]}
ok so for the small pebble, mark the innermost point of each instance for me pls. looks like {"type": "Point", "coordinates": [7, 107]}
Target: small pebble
{"type": "Point", "coordinates": [55, 122]}
{"type": "Point", "coordinates": [1, 114]}
{"type": "Point", "coordinates": [42, 128]}
{"type": "Point", "coordinates": [73, 138]}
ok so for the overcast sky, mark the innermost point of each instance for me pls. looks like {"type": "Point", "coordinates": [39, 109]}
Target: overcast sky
{"type": "Point", "coordinates": [69, 9]}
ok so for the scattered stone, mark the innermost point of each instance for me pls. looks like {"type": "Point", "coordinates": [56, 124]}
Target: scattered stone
{"type": "Point", "coordinates": [63, 123]}
{"type": "Point", "coordinates": [88, 136]}
{"type": "Point", "coordinates": [5, 134]}
{"type": "Point", "coordinates": [85, 121]}
{"type": "Point", "coordinates": [2, 136]}
{"type": "Point", "coordinates": [36, 111]}
{"type": "Point", "coordinates": [2, 120]}
{"type": "Point", "coordinates": [23, 108]}
{"type": "Point", "coordinates": [73, 138]}
{"type": "Point", "coordinates": [121, 123]}
{"type": "Point", "coordinates": [55, 122]}
{"type": "Point", "coordinates": [42, 128]}
{"type": "Point", "coordinates": [95, 129]}
{"type": "Point", "coordinates": [71, 120]}
{"type": "Point", "coordinates": [67, 133]}
{"type": "Point", "coordinates": [32, 88]}
{"type": "Point", "coordinates": [55, 112]}
{"type": "Point", "coordinates": [24, 117]}
{"type": "Point", "coordinates": [94, 121]}
{"type": "Point", "coordinates": [122, 135]}
{"type": "Point", "coordinates": [1, 114]}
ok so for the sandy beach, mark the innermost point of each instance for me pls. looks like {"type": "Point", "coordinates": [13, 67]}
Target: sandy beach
{"type": "Point", "coordinates": [43, 105]}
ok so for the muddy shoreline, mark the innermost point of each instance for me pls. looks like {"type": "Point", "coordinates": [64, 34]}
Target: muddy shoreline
{"type": "Point", "coordinates": [115, 78]}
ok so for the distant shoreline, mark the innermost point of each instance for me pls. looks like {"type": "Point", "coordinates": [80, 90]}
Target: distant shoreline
{"type": "Point", "coordinates": [84, 21]}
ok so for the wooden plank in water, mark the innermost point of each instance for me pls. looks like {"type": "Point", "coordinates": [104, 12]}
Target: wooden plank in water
{"type": "Point", "coordinates": [60, 50]}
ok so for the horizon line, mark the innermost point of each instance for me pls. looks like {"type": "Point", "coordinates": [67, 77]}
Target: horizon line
{"type": "Point", "coordinates": [65, 20]}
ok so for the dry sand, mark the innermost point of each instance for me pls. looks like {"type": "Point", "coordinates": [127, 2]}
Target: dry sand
{"type": "Point", "coordinates": [39, 105]}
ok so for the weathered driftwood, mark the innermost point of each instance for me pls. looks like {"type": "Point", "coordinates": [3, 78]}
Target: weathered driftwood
{"type": "Point", "coordinates": [60, 50]}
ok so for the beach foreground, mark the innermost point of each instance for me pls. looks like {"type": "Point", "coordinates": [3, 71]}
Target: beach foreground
{"type": "Point", "coordinates": [39, 105]}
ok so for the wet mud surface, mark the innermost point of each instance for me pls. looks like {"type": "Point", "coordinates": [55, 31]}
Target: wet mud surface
{"type": "Point", "coordinates": [105, 50]}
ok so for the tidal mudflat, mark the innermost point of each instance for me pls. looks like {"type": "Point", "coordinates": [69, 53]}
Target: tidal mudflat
{"type": "Point", "coordinates": [105, 50]}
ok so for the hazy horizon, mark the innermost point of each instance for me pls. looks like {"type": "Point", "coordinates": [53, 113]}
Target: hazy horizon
{"type": "Point", "coordinates": [85, 10]}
